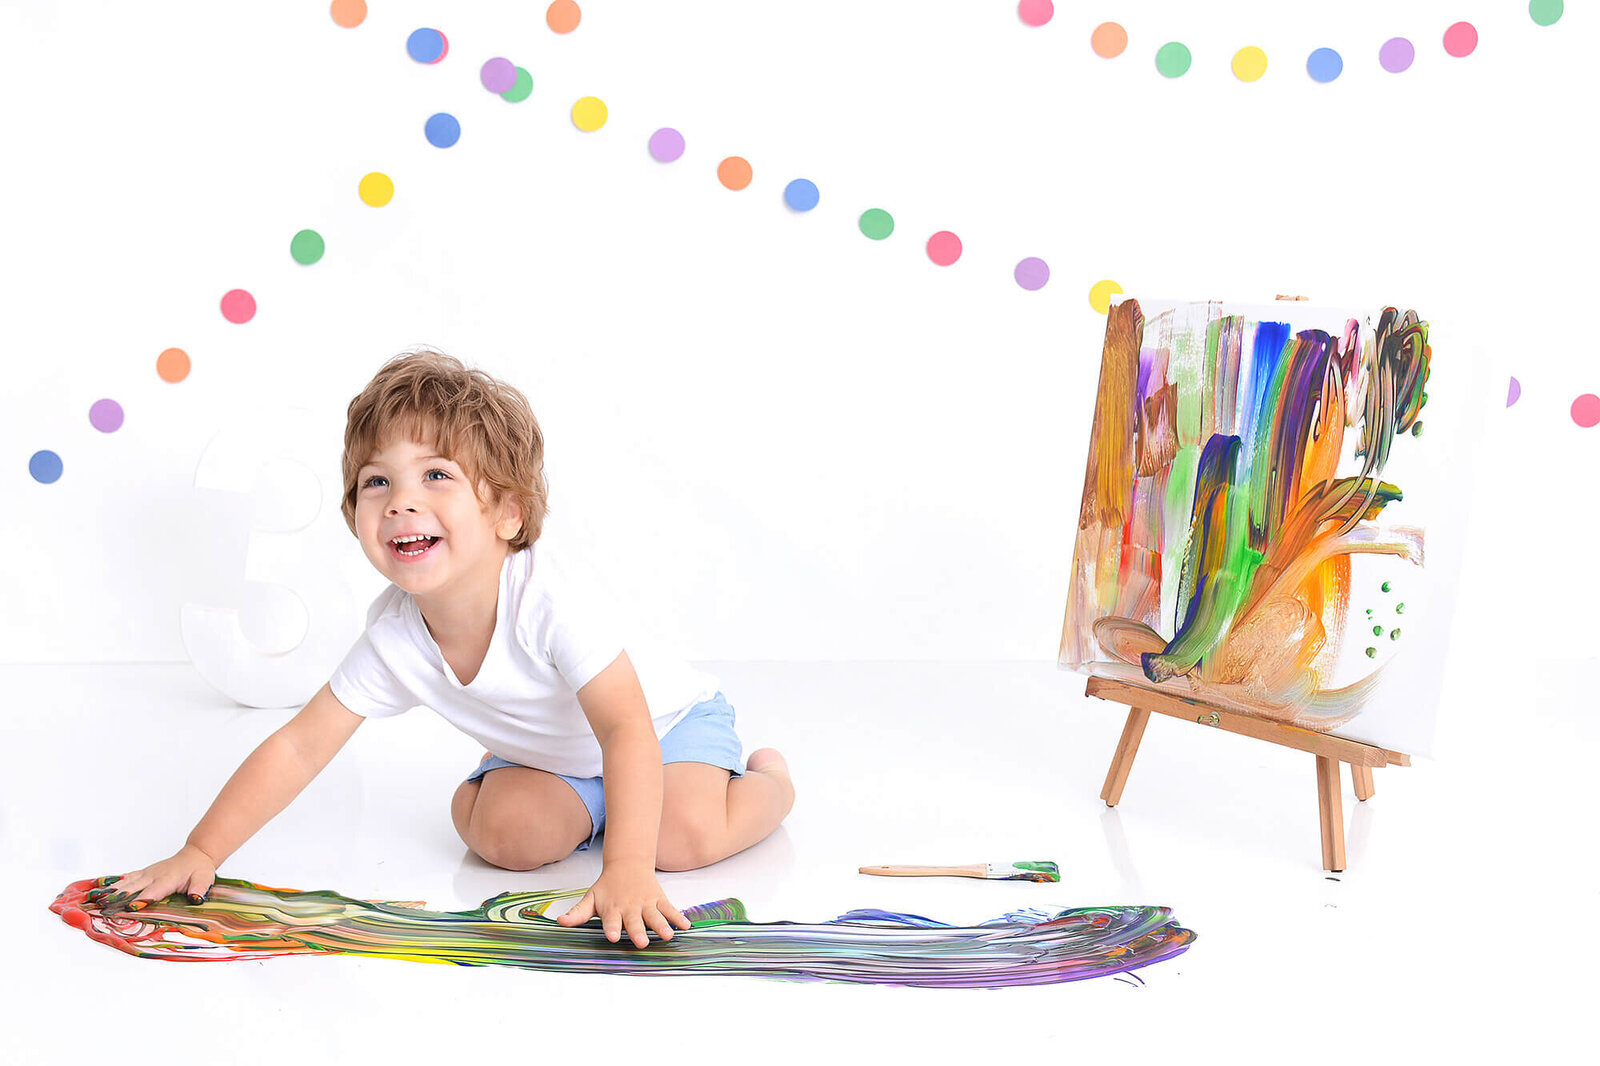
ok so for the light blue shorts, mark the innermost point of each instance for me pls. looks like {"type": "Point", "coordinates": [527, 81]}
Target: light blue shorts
{"type": "Point", "coordinates": [705, 734]}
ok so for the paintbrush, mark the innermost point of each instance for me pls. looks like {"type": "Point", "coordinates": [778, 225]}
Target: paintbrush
{"type": "Point", "coordinates": [991, 871]}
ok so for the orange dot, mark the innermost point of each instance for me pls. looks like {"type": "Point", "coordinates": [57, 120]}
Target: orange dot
{"type": "Point", "coordinates": [734, 172]}
{"type": "Point", "coordinates": [1108, 40]}
{"type": "Point", "coordinates": [348, 13]}
{"type": "Point", "coordinates": [173, 364]}
{"type": "Point", "coordinates": [562, 16]}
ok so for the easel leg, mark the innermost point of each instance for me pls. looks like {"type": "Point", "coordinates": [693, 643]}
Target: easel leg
{"type": "Point", "coordinates": [1361, 777]}
{"type": "Point", "coordinates": [1332, 810]}
{"type": "Point", "coordinates": [1122, 761]}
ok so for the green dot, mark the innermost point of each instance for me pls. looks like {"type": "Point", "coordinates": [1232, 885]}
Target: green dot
{"type": "Point", "coordinates": [1545, 12]}
{"type": "Point", "coordinates": [1386, 586]}
{"type": "Point", "coordinates": [306, 247]}
{"type": "Point", "coordinates": [1372, 653]}
{"type": "Point", "coordinates": [1369, 612]}
{"type": "Point", "coordinates": [1377, 631]}
{"type": "Point", "coordinates": [1173, 60]}
{"type": "Point", "coordinates": [1399, 608]}
{"type": "Point", "coordinates": [521, 90]}
{"type": "Point", "coordinates": [876, 223]}
{"type": "Point", "coordinates": [1416, 430]}
{"type": "Point", "coordinates": [1394, 635]}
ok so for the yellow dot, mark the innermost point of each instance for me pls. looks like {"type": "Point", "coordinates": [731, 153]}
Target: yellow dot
{"type": "Point", "coordinates": [377, 189]}
{"type": "Point", "coordinates": [589, 114]}
{"type": "Point", "coordinates": [1249, 63]}
{"type": "Point", "coordinates": [1100, 294]}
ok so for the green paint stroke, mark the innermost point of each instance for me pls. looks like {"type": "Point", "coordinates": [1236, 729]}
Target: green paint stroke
{"type": "Point", "coordinates": [243, 920]}
{"type": "Point", "coordinates": [1035, 871]}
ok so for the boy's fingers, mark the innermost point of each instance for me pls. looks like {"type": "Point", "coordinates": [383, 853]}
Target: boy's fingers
{"type": "Point", "coordinates": [676, 915]}
{"type": "Point", "coordinates": [636, 930]}
{"type": "Point", "coordinates": [657, 921]}
{"type": "Point", "coordinates": [612, 924]}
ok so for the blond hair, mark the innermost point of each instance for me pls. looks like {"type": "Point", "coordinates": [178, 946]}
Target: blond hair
{"type": "Point", "coordinates": [483, 425]}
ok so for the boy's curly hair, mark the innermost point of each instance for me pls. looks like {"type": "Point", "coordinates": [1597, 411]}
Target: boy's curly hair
{"type": "Point", "coordinates": [482, 424]}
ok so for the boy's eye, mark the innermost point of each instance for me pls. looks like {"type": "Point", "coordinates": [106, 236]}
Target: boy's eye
{"type": "Point", "coordinates": [379, 477]}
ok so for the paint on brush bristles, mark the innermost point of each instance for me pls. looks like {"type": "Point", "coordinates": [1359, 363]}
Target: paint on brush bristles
{"type": "Point", "coordinates": [243, 920]}
{"type": "Point", "coordinates": [1025, 871]}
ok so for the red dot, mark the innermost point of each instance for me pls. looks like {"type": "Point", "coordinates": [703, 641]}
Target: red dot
{"type": "Point", "coordinates": [944, 247]}
{"type": "Point", "coordinates": [1461, 39]}
{"type": "Point", "coordinates": [1586, 410]}
{"type": "Point", "coordinates": [1036, 12]}
{"type": "Point", "coordinates": [238, 306]}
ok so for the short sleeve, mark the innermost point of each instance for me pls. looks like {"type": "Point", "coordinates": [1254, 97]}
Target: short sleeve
{"type": "Point", "coordinates": [367, 686]}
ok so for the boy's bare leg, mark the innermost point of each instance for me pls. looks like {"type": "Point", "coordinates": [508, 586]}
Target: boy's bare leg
{"type": "Point", "coordinates": [707, 814]}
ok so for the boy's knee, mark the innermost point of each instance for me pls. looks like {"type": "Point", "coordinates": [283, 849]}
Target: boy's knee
{"type": "Point", "coordinates": [685, 846]}
{"type": "Point", "coordinates": [517, 847]}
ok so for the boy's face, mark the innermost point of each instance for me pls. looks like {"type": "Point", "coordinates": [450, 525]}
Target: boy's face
{"type": "Point", "coordinates": [405, 488]}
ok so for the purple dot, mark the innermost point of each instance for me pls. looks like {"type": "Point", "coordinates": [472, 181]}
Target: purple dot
{"type": "Point", "coordinates": [666, 144]}
{"type": "Point", "coordinates": [1514, 393]}
{"type": "Point", "coordinates": [498, 75]}
{"type": "Point", "coordinates": [1396, 54]}
{"type": "Point", "coordinates": [1032, 273]}
{"type": "Point", "coordinates": [106, 416]}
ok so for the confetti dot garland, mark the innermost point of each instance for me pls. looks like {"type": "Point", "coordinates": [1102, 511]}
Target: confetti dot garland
{"type": "Point", "coordinates": [734, 172]}
{"type": "Point", "coordinates": [1586, 410]}
{"type": "Point", "coordinates": [238, 306]}
{"type": "Point", "coordinates": [666, 145]}
{"type": "Point", "coordinates": [376, 189]}
{"type": "Point", "coordinates": [589, 114]}
{"type": "Point", "coordinates": [1461, 39]}
{"type": "Point", "coordinates": [1249, 63]}
{"type": "Point", "coordinates": [427, 45]}
{"type": "Point", "coordinates": [1324, 65]}
{"type": "Point", "coordinates": [306, 247]}
{"type": "Point", "coordinates": [1036, 12]}
{"type": "Point", "coordinates": [1545, 12]}
{"type": "Point", "coordinates": [241, 920]}
{"type": "Point", "coordinates": [876, 223]}
{"type": "Point", "coordinates": [801, 194]}
{"type": "Point", "coordinates": [1100, 294]}
{"type": "Point", "coordinates": [1032, 273]}
{"type": "Point", "coordinates": [348, 13]}
{"type": "Point", "coordinates": [563, 16]}
{"type": "Point", "coordinates": [944, 248]}
{"type": "Point", "coordinates": [1108, 40]}
{"type": "Point", "coordinates": [1396, 55]}
{"type": "Point", "coordinates": [1173, 59]}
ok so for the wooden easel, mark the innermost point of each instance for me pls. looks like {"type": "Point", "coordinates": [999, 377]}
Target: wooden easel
{"type": "Point", "coordinates": [1329, 750]}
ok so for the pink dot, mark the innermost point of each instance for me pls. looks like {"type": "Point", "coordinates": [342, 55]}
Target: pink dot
{"type": "Point", "coordinates": [1586, 410]}
{"type": "Point", "coordinates": [1461, 39]}
{"type": "Point", "coordinates": [1036, 12]}
{"type": "Point", "coordinates": [944, 248]}
{"type": "Point", "coordinates": [238, 306]}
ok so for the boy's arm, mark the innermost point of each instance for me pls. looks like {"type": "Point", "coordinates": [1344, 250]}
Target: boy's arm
{"type": "Point", "coordinates": [614, 703]}
{"type": "Point", "coordinates": [274, 774]}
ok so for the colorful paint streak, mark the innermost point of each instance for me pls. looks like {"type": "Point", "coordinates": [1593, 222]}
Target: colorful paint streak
{"type": "Point", "coordinates": [1216, 533]}
{"type": "Point", "coordinates": [242, 920]}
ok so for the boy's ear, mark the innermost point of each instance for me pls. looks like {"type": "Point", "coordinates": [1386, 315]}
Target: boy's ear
{"type": "Point", "coordinates": [510, 521]}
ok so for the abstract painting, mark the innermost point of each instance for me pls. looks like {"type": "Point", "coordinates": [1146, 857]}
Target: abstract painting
{"type": "Point", "coordinates": [1257, 520]}
{"type": "Point", "coordinates": [244, 920]}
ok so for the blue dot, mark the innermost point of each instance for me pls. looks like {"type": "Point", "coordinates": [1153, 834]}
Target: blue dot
{"type": "Point", "coordinates": [1324, 64]}
{"type": "Point", "coordinates": [425, 45]}
{"type": "Point", "coordinates": [45, 467]}
{"type": "Point", "coordinates": [443, 130]}
{"type": "Point", "coordinates": [801, 194]}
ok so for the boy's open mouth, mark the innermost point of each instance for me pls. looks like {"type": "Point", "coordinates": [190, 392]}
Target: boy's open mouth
{"type": "Point", "coordinates": [414, 549]}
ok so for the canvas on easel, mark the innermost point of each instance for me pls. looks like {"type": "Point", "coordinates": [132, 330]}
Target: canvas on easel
{"type": "Point", "coordinates": [1271, 525]}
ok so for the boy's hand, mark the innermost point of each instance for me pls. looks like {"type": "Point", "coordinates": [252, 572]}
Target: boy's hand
{"type": "Point", "coordinates": [631, 897]}
{"type": "Point", "coordinates": [190, 871]}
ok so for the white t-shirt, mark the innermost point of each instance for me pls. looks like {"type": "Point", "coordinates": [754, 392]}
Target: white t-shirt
{"type": "Point", "coordinates": [553, 633]}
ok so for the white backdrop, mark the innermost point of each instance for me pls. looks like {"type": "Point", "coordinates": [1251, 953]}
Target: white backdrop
{"type": "Point", "coordinates": [778, 439]}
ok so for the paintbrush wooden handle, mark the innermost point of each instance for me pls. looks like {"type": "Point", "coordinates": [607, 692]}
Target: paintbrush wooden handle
{"type": "Point", "coordinates": [980, 869]}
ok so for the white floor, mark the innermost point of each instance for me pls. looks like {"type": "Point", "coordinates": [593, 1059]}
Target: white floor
{"type": "Point", "coordinates": [1462, 922]}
